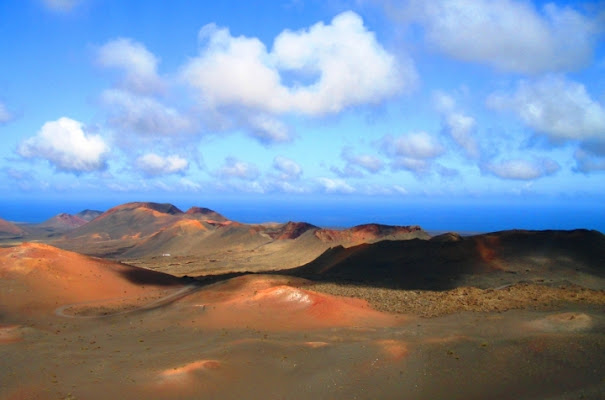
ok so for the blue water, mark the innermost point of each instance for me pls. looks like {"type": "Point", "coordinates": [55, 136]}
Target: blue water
{"type": "Point", "coordinates": [432, 215]}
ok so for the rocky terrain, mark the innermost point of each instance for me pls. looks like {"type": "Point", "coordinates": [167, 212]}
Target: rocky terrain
{"type": "Point", "coordinates": [296, 311]}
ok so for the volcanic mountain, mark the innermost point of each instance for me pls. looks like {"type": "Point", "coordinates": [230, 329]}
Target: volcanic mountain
{"type": "Point", "coordinates": [37, 277]}
{"type": "Point", "coordinates": [214, 243]}
{"type": "Point", "coordinates": [63, 222]}
{"type": "Point", "coordinates": [88, 215]}
{"type": "Point", "coordinates": [487, 260]}
{"type": "Point", "coordinates": [9, 229]}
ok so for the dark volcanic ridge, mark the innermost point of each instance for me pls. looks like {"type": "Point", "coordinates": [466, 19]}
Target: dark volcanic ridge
{"type": "Point", "coordinates": [484, 261]}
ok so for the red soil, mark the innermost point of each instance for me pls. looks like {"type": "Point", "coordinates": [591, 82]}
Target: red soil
{"type": "Point", "coordinates": [36, 277]}
{"type": "Point", "coordinates": [279, 303]}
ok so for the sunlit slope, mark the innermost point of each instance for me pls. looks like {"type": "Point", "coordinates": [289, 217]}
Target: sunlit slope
{"type": "Point", "coordinates": [36, 277]}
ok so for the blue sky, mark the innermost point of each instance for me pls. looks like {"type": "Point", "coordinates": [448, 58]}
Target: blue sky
{"type": "Point", "coordinates": [367, 103]}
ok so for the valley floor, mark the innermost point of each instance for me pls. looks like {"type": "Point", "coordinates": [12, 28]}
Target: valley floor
{"type": "Point", "coordinates": [191, 346]}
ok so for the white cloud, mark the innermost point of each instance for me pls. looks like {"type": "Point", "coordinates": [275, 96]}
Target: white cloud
{"type": "Point", "coordinates": [268, 129]}
{"type": "Point", "coordinates": [138, 64]}
{"type": "Point", "coordinates": [414, 151]}
{"type": "Point", "coordinates": [459, 126]}
{"type": "Point", "coordinates": [153, 164]}
{"type": "Point", "coordinates": [65, 145]}
{"type": "Point", "coordinates": [5, 115]}
{"type": "Point", "coordinates": [234, 168]}
{"type": "Point", "coordinates": [145, 115]}
{"type": "Point", "coordinates": [555, 106]}
{"type": "Point", "coordinates": [287, 187]}
{"type": "Point", "coordinates": [239, 75]}
{"type": "Point", "coordinates": [331, 185]}
{"type": "Point", "coordinates": [415, 165]}
{"type": "Point", "coordinates": [523, 169]}
{"type": "Point", "coordinates": [587, 162]}
{"type": "Point", "coordinates": [289, 169]}
{"type": "Point", "coordinates": [61, 5]}
{"type": "Point", "coordinates": [400, 190]}
{"type": "Point", "coordinates": [507, 34]}
{"type": "Point", "coordinates": [188, 184]}
{"type": "Point", "coordinates": [368, 162]}
{"type": "Point", "coordinates": [417, 145]}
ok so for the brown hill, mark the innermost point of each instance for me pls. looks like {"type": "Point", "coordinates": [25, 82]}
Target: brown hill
{"type": "Point", "coordinates": [63, 222]}
{"type": "Point", "coordinates": [38, 278]}
{"type": "Point", "coordinates": [131, 220]}
{"type": "Point", "coordinates": [489, 260]}
{"type": "Point", "coordinates": [10, 229]}
{"type": "Point", "coordinates": [88, 215]}
{"type": "Point", "coordinates": [289, 230]}
{"type": "Point", "coordinates": [203, 241]}
{"type": "Point", "coordinates": [369, 233]}
{"type": "Point", "coordinates": [205, 214]}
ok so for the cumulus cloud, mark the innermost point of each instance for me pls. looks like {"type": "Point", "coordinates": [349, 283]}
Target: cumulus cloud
{"type": "Point", "coordinates": [347, 65]}
{"type": "Point", "coordinates": [519, 169]}
{"type": "Point", "coordinates": [418, 145]}
{"type": "Point", "coordinates": [142, 114]}
{"type": "Point", "coordinates": [556, 107]}
{"type": "Point", "coordinates": [5, 115]}
{"type": "Point", "coordinates": [66, 146]}
{"type": "Point", "coordinates": [368, 162]}
{"type": "Point", "coordinates": [330, 185]}
{"type": "Point", "coordinates": [414, 151]}
{"type": "Point", "coordinates": [153, 164]}
{"type": "Point", "coordinates": [288, 169]}
{"type": "Point", "coordinates": [234, 168]}
{"type": "Point", "coordinates": [137, 63]}
{"type": "Point", "coordinates": [509, 35]}
{"type": "Point", "coordinates": [459, 126]}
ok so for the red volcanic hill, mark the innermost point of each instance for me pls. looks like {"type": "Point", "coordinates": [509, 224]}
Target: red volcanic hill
{"type": "Point", "coordinates": [205, 213]}
{"type": "Point", "coordinates": [131, 220]}
{"type": "Point", "coordinates": [88, 215]}
{"type": "Point", "coordinates": [369, 233]}
{"type": "Point", "coordinates": [489, 260]}
{"type": "Point", "coordinates": [10, 229]}
{"type": "Point", "coordinates": [279, 303]}
{"type": "Point", "coordinates": [63, 221]}
{"type": "Point", "coordinates": [36, 277]}
{"type": "Point", "coordinates": [289, 230]}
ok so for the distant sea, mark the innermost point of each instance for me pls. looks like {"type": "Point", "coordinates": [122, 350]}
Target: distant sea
{"type": "Point", "coordinates": [432, 215]}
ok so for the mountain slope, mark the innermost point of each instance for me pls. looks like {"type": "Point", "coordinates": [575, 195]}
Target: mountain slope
{"type": "Point", "coordinates": [9, 229]}
{"type": "Point", "coordinates": [37, 278]}
{"type": "Point", "coordinates": [489, 260]}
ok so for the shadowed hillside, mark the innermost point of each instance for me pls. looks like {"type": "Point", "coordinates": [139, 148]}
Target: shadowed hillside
{"type": "Point", "coordinates": [448, 261]}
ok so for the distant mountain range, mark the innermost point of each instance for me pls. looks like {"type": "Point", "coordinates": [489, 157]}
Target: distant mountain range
{"type": "Point", "coordinates": [201, 241]}
{"type": "Point", "coordinates": [143, 229]}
